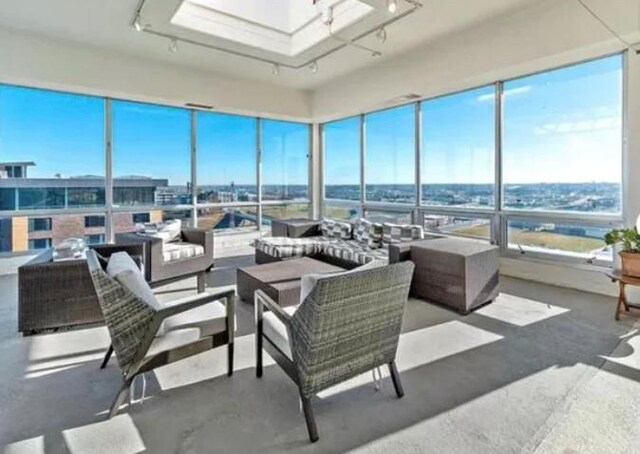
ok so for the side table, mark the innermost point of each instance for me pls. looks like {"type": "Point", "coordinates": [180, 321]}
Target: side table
{"type": "Point", "coordinates": [623, 281]}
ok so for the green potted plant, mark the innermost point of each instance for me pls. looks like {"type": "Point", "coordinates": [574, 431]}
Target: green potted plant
{"type": "Point", "coordinates": [627, 241]}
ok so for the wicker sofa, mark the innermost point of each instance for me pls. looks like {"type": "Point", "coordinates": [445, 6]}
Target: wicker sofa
{"type": "Point", "coordinates": [344, 244]}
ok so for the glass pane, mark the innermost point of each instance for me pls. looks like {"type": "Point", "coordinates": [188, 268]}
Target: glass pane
{"type": "Point", "coordinates": [151, 154]}
{"type": "Point", "coordinates": [338, 211]}
{"type": "Point", "coordinates": [298, 210]}
{"type": "Point", "coordinates": [226, 158]}
{"type": "Point", "coordinates": [388, 216]}
{"type": "Point", "coordinates": [568, 239]}
{"type": "Point", "coordinates": [285, 161]}
{"type": "Point", "coordinates": [390, 155]}
{"type": "Point", "coordinates": [458, 225]}
{"type": "Point", "coordinates": [342, 159]}
{"type": "Point", "coordinates": [563, 139]}
{"type": "Point", "coordinates": [458, 145]}
{"type": "Point", "coordinates": [228, 218]}
{"type": "Point", "coordinates": [6, 244]}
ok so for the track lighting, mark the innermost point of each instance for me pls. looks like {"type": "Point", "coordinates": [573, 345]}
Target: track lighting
{"type": "Point", "coordinates": [138, 24]}
{"type": "Point", "coordinates": [314, 67]}
{"type": "Point", "coordinates": [392, 6]}
{"type": "Point", "coordinates": [275, 69]}
{"type": "Point", "coordinates": [381, 34]}
{"type": "Point", "coordinates": [173, 46]}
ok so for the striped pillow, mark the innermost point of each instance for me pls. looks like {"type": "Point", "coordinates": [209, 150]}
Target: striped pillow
{"type": "Point", "coordinates": [395, 233]}
{"type": "Point", "coordinates": [368, 233]}
{"type": "Point", "coordinates": [335, 229]}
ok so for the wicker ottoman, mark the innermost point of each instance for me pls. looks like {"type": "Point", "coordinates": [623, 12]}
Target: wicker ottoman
{"type": "Point", "coordinates": [279, 280]}
{"type": "Point", "coordinates": [457, 273]}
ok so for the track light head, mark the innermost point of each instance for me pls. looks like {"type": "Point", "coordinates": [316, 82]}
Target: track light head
{"type": "Point", "coordinates": [275, 69]}
{"type": "Point", "coordinates": [392, 6]}
{"type": "Point", "coordinates": [314, 67]}
{"type": "Point", "coordinates": [139, 24]}
{"type": "Point", "coordinates": [381, 35]}
{"type": "Point", "coordinates": [173, 46]}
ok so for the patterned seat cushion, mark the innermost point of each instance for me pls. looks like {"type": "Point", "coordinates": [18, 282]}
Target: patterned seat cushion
{"type": "Point", "coordinates": [283, 247]}
{"type": "Point", "coordinates": [395, 233]}
{"type": "Point", "coordinates": [368, 233]}
{"type": "Point", "coordinates": [179, 251]}
{"type": "Point", "coordinates": [354, 251]}
{"type": "Point", "coordinates": [335, 229]}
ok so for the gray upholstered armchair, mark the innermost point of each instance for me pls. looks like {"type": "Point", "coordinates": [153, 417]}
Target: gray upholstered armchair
{"type": "Point", "coordinates": [146, 334]}
{"type": "Point", "coordinates": [165, 262]}
{"type": "Point", "coordinates": [348, 324]}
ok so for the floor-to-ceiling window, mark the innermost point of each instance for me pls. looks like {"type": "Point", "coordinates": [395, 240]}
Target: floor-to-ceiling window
{"type": "Point", "coordinates": [151, 161]}
{"type": "Point", "coordinates": [562, 153]}
{"type": "Point", "coordinates": [227, 171]}
{"type": "Point", "coordinates": [390, 155]}
{"type": "Point", "coordinates": [533, 164]}
{"type": "Point", "coordinates": [285, 169]}
{"type": "Point", "coordinates": [341, 150]}
{"type": "Point", "coordinates": [51, 159]}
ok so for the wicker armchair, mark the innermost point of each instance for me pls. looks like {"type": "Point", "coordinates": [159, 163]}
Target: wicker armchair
{"type": "Point", "coordinates": [160, 271]}
{"type": "Point", "coordinates": [134, 328]}
{"type": "Point", "coordinates": [347, 325]}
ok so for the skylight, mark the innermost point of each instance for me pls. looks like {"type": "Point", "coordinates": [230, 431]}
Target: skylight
{"type": "Point", "coordinates": [287, 27]}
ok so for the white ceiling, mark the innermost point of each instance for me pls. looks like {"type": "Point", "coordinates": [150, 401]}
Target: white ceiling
{"type": "Point", "coordinates": [106, 24]}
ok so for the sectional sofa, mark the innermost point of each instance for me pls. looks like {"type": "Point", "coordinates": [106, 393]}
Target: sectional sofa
{"type": "Point", "coordinates": [344, 244]}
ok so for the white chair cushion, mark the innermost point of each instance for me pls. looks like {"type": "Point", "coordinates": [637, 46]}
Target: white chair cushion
{"type": "Point", "coordinates": [167, 232]}
{"type": "Point", "coordinates": [173, 339]}
{"type": "Point", "coordinates": [123, 269]}
{"type": "Point", "coordinates": [180, 251]}
{"type": "Point", "coordinates": [276, 331]}
{"type": "Point", "coordinates": [209, 319]}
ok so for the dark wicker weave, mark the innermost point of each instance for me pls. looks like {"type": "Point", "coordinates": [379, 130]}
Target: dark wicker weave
{"type": "Point", "coordinates": [133, 325]}
{"type": "Point", "coordinates": [347, 325]}
{"type": "Point", "coordinates": [54, 295]}
{"type": "Point", "coordinates": [295, 227]}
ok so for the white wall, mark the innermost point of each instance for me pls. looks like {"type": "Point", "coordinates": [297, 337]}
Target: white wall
{"type": "Point", "coordinates": [548, 34]}
{"type": "Point", "coordinates": [47, 63]}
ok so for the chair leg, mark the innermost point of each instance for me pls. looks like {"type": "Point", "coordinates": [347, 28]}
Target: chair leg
{"type": "Point", "coordinates": [107, 356]}
{"type": "Point", "coordinates": [310, 419]}
{"type": "Point", "coordinates": [120, 397]}
{"type": "Point", "coordinates": [201, 282]}
{"type": "Point", "coordinates": [230, 359]}
{"type": "Point", "coordinates": [395, 377]}
{"type": "Point", "coordinates": [258, 318]}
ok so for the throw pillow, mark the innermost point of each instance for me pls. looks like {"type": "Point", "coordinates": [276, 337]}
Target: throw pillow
{"type": "Point", "coordinates": [368, 233]}
{"type": "Point", "coordinates": [396, 233]}
{"type": "Point", "coordinates": [336, 229]}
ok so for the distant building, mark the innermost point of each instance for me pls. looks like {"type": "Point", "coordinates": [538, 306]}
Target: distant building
{"type": "Point", "coordinates": [19, 193]}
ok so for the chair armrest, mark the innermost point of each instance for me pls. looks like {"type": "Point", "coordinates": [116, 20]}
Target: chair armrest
{"type": "Point", "coordinates": [192, 302]}
{"type": "Point", "coordinates": [262, 299]}
{"type": "Point", "coordinates": [195, 235]}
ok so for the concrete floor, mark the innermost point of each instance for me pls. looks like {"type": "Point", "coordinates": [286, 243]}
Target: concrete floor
{"type": "Point", "coordinates": [542, 369]}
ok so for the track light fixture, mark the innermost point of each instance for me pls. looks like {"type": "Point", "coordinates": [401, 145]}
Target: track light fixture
{"type": "Point", "coordinates": [314, 67]}
{"type": "Point", "coordinates": [392, 6]}
{"type": "Point", "coordinates": [173, 46]}
{"type": "Point", "coordinates": [275, 69]}
{"type": "Point", "coordinates": [381, 34]}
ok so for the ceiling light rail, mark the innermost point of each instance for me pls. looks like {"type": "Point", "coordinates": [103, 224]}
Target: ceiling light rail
{"type": "Point", "coordinates": [141, 26]}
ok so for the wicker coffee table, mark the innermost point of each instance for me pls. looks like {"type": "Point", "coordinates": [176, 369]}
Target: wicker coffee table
{"type": "Point", "coordinates": [279, 280]}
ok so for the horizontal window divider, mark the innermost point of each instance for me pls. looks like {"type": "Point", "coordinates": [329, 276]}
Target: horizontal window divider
{"type": "Point", "coordinates": [137, 208]}
{"type": "Point", "coordinates": [466, 211]}
{"type": "Point", "coordinates": [556, 259]}
{"type": "Point", "coordinates": [53, 212]}
{"type": "Point", "coordinates": [342, 202]}
{"type": "Point", "coordinates": [284, 202]}
{"type": "Point", "coordinates": [546, 216]}
{"type": "Point", "coordinates": [385, 206]}
{"type": "Point", "coordinates": [228, 205]}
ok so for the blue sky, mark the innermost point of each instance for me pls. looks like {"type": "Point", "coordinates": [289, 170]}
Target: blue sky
{"type": "Point", "coordinates": [560, 126]}
{"type": "Point", "coordinates": [64, 134]}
